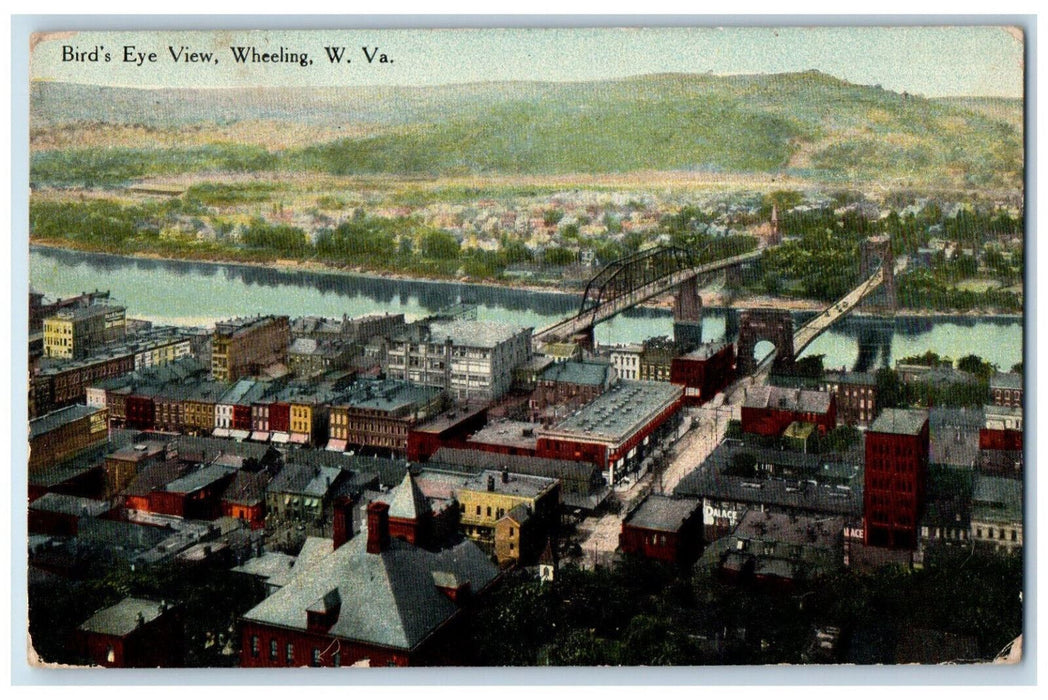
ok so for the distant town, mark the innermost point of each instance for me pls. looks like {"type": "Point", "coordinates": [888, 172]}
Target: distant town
{"type": "Point", "coordinates": [273, 491]}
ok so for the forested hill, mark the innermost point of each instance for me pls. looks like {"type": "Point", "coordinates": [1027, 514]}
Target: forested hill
{"type": "Point", "coordinates": [806, 124]}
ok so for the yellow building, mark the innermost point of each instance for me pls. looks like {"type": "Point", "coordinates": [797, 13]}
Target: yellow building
{"type": "Point", "coordinates": [243, 347]}
{"type": "Point", "coordinates": [75, 333]}
{"type": "Point", "coordinates": [488, 497]}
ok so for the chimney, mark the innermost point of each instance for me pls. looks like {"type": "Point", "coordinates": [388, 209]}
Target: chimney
{"type": "Point", "coordinates": [378, 527]}
{"type": "Point", "coordinates": [505, 475]}
{"type": "Point", "coordinates": [491, 482]}
{"type": "Point", "coordinates": [343, 521]}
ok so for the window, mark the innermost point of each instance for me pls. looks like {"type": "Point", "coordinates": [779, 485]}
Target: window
{"type": "Point", "coordinates": [478, 510]}
{"type": "Point", "coordinates": [254, 645]}
{"type": "Point", "coordinates": [336, 658]}
{"type": "Point", "coordinates": [289, 653]}
{"type": "Point", "coordinates": [489, 511]}
{"type": "Point", "coordinates": [314, 658]}
{"type": "Point", "coordinates": [273, 649]}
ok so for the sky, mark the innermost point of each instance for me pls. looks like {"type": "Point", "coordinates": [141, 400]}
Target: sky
{"type": "Point", "coordinates": [928, 61]}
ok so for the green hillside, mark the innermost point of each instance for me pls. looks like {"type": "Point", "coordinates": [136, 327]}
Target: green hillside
{"type": "Point", "coordinates": [807, 124]}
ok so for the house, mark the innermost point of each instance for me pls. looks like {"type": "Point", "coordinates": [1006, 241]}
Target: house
{"type": "Point", "coordinates": [245, 498]}
{"type": "Point", "coordinates": [665, 528]}
{"type": "Point", "coordinates": [59, 514]}
{"type": "Point", "coordinates": [856, 394]}
{"type": "Point", "coordinates": [1003, 429]}
{"type": "Point", "coordinates": [134, 633]}
{"type": "Point", "coordinates": [375, 600]}
{"type": "Point", "coordinates": [196, 496]}
{"type": "Point", "coordinates": [1006, 389]}
{"type": "Point", "coordinates": [997, 514]}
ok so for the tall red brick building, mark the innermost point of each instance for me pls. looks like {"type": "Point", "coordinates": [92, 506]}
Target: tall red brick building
{"type": "Point", "coordinates": [895, 478]}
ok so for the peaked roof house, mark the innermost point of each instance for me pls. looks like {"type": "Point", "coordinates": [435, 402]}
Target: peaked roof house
{"type": "Point", "coordinates": [376, 599]}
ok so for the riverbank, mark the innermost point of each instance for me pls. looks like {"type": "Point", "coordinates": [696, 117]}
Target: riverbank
{"type": "Point", "coordinates": [715, 299]}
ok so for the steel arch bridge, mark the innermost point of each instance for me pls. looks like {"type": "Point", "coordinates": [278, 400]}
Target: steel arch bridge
{"type": "Point", "coordinates": [635, 278]}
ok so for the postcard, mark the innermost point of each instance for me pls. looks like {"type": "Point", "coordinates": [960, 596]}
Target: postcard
{"type": "Point", "coordinates": [650, 346]}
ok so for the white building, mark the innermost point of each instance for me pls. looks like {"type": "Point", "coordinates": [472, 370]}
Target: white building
{"type": "Point", "coordinates": [468, 359]}
{"type": "Point", "coordinates": [626, 360]}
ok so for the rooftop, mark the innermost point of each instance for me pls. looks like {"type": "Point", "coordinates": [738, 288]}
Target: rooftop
{"type": "Point", "coordinates": [476, 334]}
{"type": "Point", "coordinates": [706, 351]}
{"type": "Point", "coordinates": [621, 411]}
{"type": "Point", "coordinates": [777, 527]}
{"type": "Point", "coordinates": [514, 433]}
{"type": "Point", "coordinates": [663, 513]}
{"type": "Point", "coordinates": [237, 327]}
{"type": "Point", "coordinates": [997, 499]}
{"type": "Point", "coordinates": [582, 373]}
{"type": "Point", "coordinates": [69, 505]}
{"type": "Point", "coordinates": [1006, 380]}
{"type": "Point", "coordinates": [511, 484]}
{"type": "Point", "coordinates": [900, 421]}
{"type": "Point", "coordinates": [196, 480]}
{"type": "Point", "coordinates": [56, 419]}
{"type": "Point", "coordinates": [124, 617]}
{"type": "Point", "coordinates": [799, 400]}
{"type": "Point", "coordinates": [387, 395]}
{"type": "Point", "coordinates": [388, 599]}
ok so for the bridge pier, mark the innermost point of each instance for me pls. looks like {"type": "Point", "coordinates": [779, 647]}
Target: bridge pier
{"type": "Point", "coordinates": [687, 316]}
{"type": "Point", "coordinates": [773, 325]}
{"type": "Point", "coordinates": [877, 251]}
{"type": "Point", "coordinates": [584, 339]}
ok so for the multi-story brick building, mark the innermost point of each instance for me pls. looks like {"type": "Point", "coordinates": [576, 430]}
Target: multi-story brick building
{"type": "Point", "coordinates": [134, 633]}
{"type": "Point", "coordinates": [244, 346]}
{"type": "Point", "coordinates": [471, 360]}
{"type": "Point", "coordinates": [565, 386]}
{"type": "Point", "coordinates": [617, 431]}
{"type": "Point", "coordinates": [1006, 389]}
{"type": "Point", "coordinates": [856, 395]}
{"type": "Point", "coordinates": [374, 599]}
{"type": "Point", "coordinates": [769, 410]}
{"type": "Point", "coordinates": [895, 478]}
{"type": "Point", "coordinates": [1003, 428]}
{"type": "Point", "coordinates": [380, 413]}
{"type": "Point", "coordinates": [704, 372]}
{"type": "Point", "coordinates": [664, 528]}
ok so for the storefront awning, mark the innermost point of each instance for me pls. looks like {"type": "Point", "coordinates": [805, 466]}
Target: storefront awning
{"type": "Point", "coordinates": [336, 445]}
{"type": "Point", "coordinates": [281, 438]}
{"type": "Point", "coordinates": [239, 434]}
{"type": "Point", "coordinates": [260, 436]}
{"type": "Point", "coordinates": [221, 432]}
{"type": "Point", "coordinates": [300, 438]}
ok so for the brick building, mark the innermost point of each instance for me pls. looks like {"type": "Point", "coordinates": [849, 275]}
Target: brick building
{"type": "Point", "coordinates": [376, 600]}
{"type": "Point", "coordinates": [895, 478]}
{"type": "Point", "coordinates": [856, 394]}
{"type": "Point", "coordinates": [1006, 389]}
{"type": "Point", "coordinates": [134, 633]}
{"type": "Point", "coordinates": [243, 347]}
{"type": "Point", "coordinates": [769, 410]}
{"type": "Point", "coordinates": [619, 430]}
{"type": "Point", "coordinates": [1003, 428]}
{"type": "Point", "coordinates": [77, 332]}
{"type": "Point", "coordinates": [380, 414]}
{"type": "Point", "coordinates": [565, 386]}
{"type": "Point", "coordinates": [664, 528]}
{"type": "Point", "coordinates": [704, 372]}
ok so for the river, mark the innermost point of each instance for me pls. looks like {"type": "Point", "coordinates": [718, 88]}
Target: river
{"type": "Point", "coordinates": [192, 293]}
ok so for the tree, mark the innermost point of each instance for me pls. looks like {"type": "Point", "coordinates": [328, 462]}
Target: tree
{"type": "Point", "coordinates": [439, 245]}
{"type": "Point", "coordinates": [975, 365]}
{"type": "Point", "coordinates": [890, 391]}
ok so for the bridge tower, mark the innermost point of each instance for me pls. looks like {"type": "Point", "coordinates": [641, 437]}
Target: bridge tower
{"type": "Point", "coordinates": [687, 316]}
{"type": "Point", "coordinates": [875, 252]}
{"type": "Point", "coordinates": [773, 325]}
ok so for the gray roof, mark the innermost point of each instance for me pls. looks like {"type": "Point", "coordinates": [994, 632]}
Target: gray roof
{"type": "Point", "coordinates": [621, 411]}
{"type": "Point", "coordinates": [515, 484]}
{"type": "Point", "coordinates": [706, 350]}
{"type": "Point", "coordinates": [997, 498]}
{"type": "Point", "coordinates": [69, 505]}
{"type": "Point", "coordinates": [508, 432]}
{"type": "Point", "coordinates": [266, 565]}
{"type": "Point", "coordinates": [799, 400]}
{"type": "Point", "coordinates": [798, 493]}
{"type": "Point", "coordinates": [123, 618]}
{"type": "Point", "coordinates": [582, 373]}
{"type": "Point", "coordinates": [56, 419]}
{"type": "Point", "coordinates": [388, 599]}
{"type": "Point", "coordinates": [386, 394]}
{"type": "Point", "coordinates": [565, 470]}
{"type": "Point", "coordinates": [305, 479]}
{"type": "Point", "coordinates": [899, 421]}
{"type": "Point", "coordinates": [201, 478]}
{"type": "Point", "coordinates": [407, 500]}
{"type": "Point", "coordinates": [663, 513]}
{"type": "Point", "coordinates": [1006, 380]}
